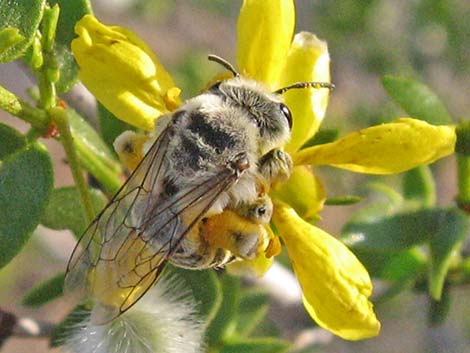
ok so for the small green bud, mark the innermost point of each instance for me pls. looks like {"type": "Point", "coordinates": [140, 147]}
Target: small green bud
{"type": "Point", "coordinates": [9, 36]}
{"type": "Point", "coordinates": [49, 26]}
{"type": "Point", "coordinates": [34, 57]}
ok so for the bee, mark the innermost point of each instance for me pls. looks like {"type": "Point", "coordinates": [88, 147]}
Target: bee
{"type": "Point", "coordinates": [198, 199]}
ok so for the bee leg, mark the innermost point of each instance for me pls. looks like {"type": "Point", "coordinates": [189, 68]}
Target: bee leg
{"type": "Point", "coordinates": [258, 211]}
{"type": "Point", "coordinates": [246, 243]}
{"type": "Point", "coordinates": [276, 165]}
{"type": "Point", "coordinates": [230, 231]}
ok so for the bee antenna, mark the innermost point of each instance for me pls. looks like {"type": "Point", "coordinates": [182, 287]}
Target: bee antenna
{"type": "Point", "coordinates": [224, 63]}
{"type": "Point", "coordinates": [328, 85]}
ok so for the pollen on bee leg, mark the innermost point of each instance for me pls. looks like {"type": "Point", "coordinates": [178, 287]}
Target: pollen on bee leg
{"type": "Point", "coordinates": [129, 147]}
{"type": "Point", "coordinates": [274, 247]}
{"type": "Point", "coordinates": [233, 232]}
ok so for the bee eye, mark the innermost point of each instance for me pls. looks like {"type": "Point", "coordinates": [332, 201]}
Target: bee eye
{"type": "Point", "coordinates": [215, 86]}
{"type": "Point", "coordinates": [286, 111]}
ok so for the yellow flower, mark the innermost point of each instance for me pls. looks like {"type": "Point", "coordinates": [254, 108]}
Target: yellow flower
{"type": "Point", "coordinates": [336, 286]}
{"type": "Point", "coordinates": [123, 73]}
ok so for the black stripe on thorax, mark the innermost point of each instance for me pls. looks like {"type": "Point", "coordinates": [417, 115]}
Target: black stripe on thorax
{"type": "Point", "coordinates": [192, 152]}
{"type": "Point", "coordinates": [210, 133]}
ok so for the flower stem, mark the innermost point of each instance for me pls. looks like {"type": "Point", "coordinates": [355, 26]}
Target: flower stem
{"type": "Point", "coordinates": [10, 103]}
{"type": "Point", "coordinates": [463, 175]}
{"type": "Point", "coordinates": [59, 116]}
{"type": "Point", "coordinates": [33, 134]}
{"type": "Point", "coordinates": [48, 74]}
{"type": "Point", "coordinates": [462, 151]}
{"type": "Point", "coordinates": [105, 175]}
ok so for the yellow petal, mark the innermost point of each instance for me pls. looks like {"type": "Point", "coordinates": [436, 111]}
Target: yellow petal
{"type": "Point", "coordinates": [335, 285]}
{"type": "Point", "coordinates": [264, 259]}
{"type": "Point", "coordinates": [308, 60]}
{"type": "Point", "coordinates": [123, 73]}
{"type": "Point", "coordinates": [303, 191]}
{"type": "Point", "coordinates": [384, 149]}
{"type": "Point", "coordinates": [256, 267]}
{"type": "Point", "coordinates": [265, 30]}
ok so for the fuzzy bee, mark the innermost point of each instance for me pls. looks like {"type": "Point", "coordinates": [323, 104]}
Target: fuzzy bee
{"type": "Point", "coordinates": [198, 199]}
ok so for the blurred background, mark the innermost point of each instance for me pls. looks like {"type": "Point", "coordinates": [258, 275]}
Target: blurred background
{"type": "Point", "coordinates": [425, 40]}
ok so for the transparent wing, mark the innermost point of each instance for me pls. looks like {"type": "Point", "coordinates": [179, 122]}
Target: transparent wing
{"type": "Point", "coordinates": [124, 249]}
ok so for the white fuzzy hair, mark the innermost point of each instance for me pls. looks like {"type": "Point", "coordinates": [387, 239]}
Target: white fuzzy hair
{"type": "Point", "coordinates": [163, 321]}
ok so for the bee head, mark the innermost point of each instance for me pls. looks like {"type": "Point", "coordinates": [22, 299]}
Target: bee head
{"type": "Point", "coordinates": [263, 109]}
{"type": "Point", "coordinates": [266, 109]}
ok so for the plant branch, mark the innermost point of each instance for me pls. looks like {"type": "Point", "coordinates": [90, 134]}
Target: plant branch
{"type": "Point", "coordinates": [463, 175]}
{"type": "Point", "coordinates": [59, 116]}
{"type": "Point", "coordinates": [10, 103]}
{"type": "Point", "coordinates": [462, 152]}
{"type": "Point", "coordinates": [48, 73]}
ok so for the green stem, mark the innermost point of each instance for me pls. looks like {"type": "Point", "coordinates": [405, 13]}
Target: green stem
{"type": "Point", "coordinates": [33, 134]}
{"type": "Point", "coordinates": [464, 267]}
{"type": "Point", "coordinates": [463, 175]}
{"type": "Point", "coordinates": [48, 74]}
{"type": "Point", "coordinates": [10, 103]}
{"type": "Point", "coordinates": [59, 116]}
{"type": "Point", "coordinates": [47, 89]}
{"type": "Point", "coordinates": [462, 152]}
{"type": "Point", "coordinates": [105, 175]}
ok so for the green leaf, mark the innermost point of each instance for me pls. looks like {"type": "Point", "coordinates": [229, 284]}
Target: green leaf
{"type": "Point", "coordinates": [406, 264]}
{"type": "Point", "coordinates": [110, 126]}
{"type": "Point", "coordinates": [94, 154]}
{"type": "Point", "coordinates": [401, 270]}
{"type": "Point", "coordinates": [416, 99]}
{"type": "Point", "coordinates": [205, 288]}
{"type": "Point", "coordinates": [266, 328]}
{"type": "Point", "coordinates": [224, 323]}
{"type": "Point", "coordinates": [392, 233]}
{"type": "Point", "coordinates": [25, 16]}
{"type": "Point", "coordinates": [396, 288]}
{"type": "Point", "coordinates": [65, 211]}
{"type": "Point", "coordinates": [11, 141]}
{"type": "Point", "coordinates": [26, 179]}
{"type": "Point", "coordinates": [45, 291]}
{"type": "Point", "coordinates": [395, 198]}
{"type": "Point", "coordinates": [9, 37]}
{"type": "Point", "coordinates": [345, 200]}
{"type": "Point", "coordinates": [251, 311]}
{"type": "Point", "coordinates": [68, 326]}
{"type": "Point", "coordinates": [258, 345]}
{"type": "Point", "coordinates": [70, 13]}
{"type": "Point", "coordinates": [418, 184]}
{"type": "Point", "coordinates": [373, 212]}
{"type": "Point", "coordinates": [373, 261]}
{"type": "Point", "coordinates": [86, 134]}
{"type": "Point", "coordinates": [446, 238]}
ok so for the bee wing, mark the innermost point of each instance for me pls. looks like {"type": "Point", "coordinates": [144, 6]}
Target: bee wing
{"type": "Point", "coordinates": [124, 249]}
